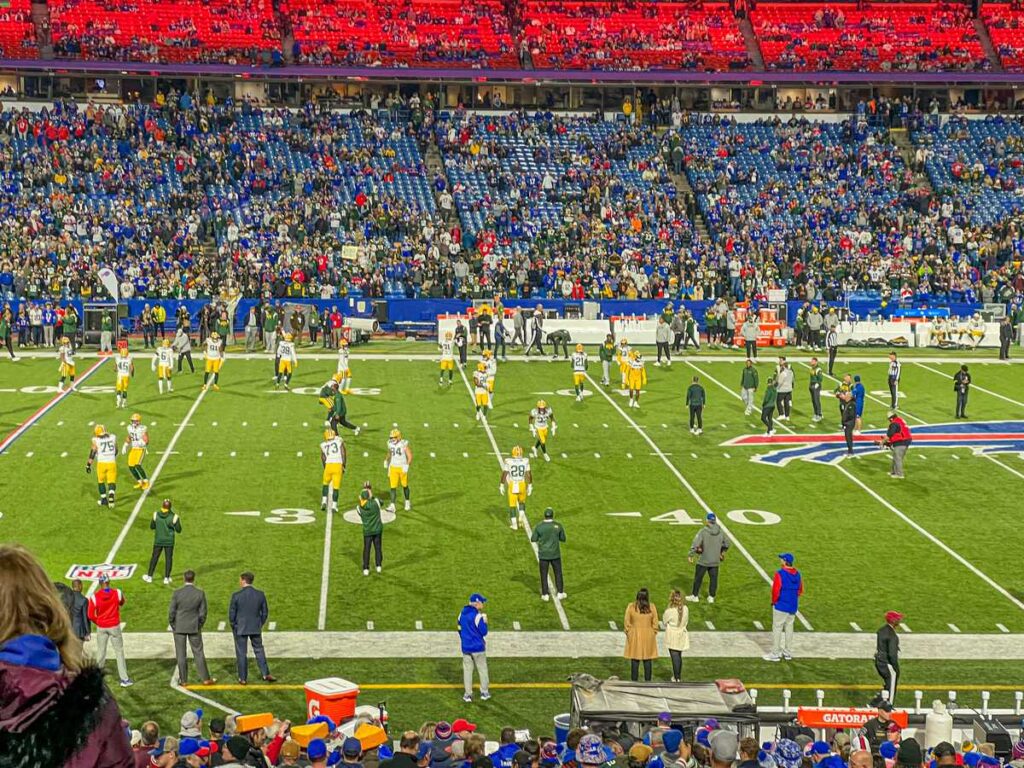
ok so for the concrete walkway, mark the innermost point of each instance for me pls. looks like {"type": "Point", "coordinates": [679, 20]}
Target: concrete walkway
{"type": "Point", "coordinates": [571, 645]}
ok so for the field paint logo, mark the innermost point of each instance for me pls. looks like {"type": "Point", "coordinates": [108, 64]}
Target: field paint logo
{"type": "Point", "coordinates": [93, 572]}
{"type": "Point", "coordinates": [982, 437]}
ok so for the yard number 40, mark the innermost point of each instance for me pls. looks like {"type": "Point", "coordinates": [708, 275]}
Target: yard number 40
{"type": "Point", "coordinates": [744, 516]}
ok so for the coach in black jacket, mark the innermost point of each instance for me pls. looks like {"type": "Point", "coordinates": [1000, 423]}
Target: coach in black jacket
{"type": "Point", "coordinates": [248, 613]}
{"type": "Point", "coordinates": [887, 656]}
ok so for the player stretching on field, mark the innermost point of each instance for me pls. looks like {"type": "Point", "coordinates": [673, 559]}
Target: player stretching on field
{"type": "Point", "coordinates": [540, 417]}
{"type": "Point", "coordinates": [579, 371]}
{"type": "Point", "coordinates": [334, 458]}
{"type": "Point", "coordinates": [286, 362]}
{"type": "Point", "coordinates": [163, 359]}
{"type": "Point", "coordinates": [518, 478]}
{"type": "Point", "coordinates": [125, 370]}
{"type": "Point", "coordinates": [343, 367]}
{"type": "Point", "coordinates": [337, 416]}
{"type": "Point", "coordinates": [397, 464]}
{"type": "Point", "coordinates": [214, 360]}
{"type": "Point", "coordinates": [66, 355]}
{"type": "Point", "coordinates": [104, 453]}
{"type": "Point", "coordinates": [447, 347]}
{"type": "Point", "coordinates": [135, 444]}
{"type": "Point", "coordinates": [480, 395]}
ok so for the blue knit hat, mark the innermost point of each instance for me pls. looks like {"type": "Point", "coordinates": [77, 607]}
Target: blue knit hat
{"type": "Point", "coordinates": [788, 754]}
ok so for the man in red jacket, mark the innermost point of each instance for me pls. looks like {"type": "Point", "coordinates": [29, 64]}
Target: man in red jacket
{"type": "Point", "coordinates": [105, 613]}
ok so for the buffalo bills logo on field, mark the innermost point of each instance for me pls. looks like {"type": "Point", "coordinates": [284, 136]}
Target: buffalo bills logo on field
{"type": "Point", "coordinates": [980, 436]}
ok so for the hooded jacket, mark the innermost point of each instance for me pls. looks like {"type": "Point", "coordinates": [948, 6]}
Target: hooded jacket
{"type": "Point", "coordinates": [787, 587]}
{"type": "Point", "coordinates": [49, 717]}
{"type": "Point", "coordinates": [472, 630]}
{"type": "Point", "coordinates": [709, 544]}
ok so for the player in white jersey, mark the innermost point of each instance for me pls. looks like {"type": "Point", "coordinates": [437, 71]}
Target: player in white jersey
{"type": "Point", "coordinates": [163, 361]}
{"type": "Point", "coordinates": [492, 372]}
{"type": "Point", "coordinates": [481, 397]}
{"type": "Point", "coordinates": [214, 360]}
{"type": "Point", "coordinates": [579, 371]}
{"type": "Point", "coordinates": [447, 347]}
{"type": "Point", "coordinates": [135, 444]}
{"type": "Point", "coordinates": [104, 453]}
{"type": "Point", "coordinates": [334, 458]}
{"type": "Point", "coordinates": [125, 367]}
{"type": "Point", "coordinates": [622, 357]}
{"type": "Point", "coordinates": [542, 418]}
{"type": "Point", "coordinates": [66, 355]}
{"type": "Point", "coordinates": [517, 478]}
{"type": "Point", "coordinates": [345, 383]}
{"type": "Point", "coordinates": [397, 463]}
{"type": "Point", "coordinates": [286, 362]}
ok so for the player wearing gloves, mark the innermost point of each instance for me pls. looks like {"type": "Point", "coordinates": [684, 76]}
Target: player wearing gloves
{"type": "Point", "coordinates": [518, 479]}
{"type": "Point", "coordinates": [541, 419]}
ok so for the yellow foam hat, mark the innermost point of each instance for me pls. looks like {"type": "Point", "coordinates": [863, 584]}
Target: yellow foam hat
{"type": "Point", "coordinates": [249, 723]}
{"type": "Point", "coordinates": [304, 734]}
{"type": "Point", "coordinates": [370, 736]}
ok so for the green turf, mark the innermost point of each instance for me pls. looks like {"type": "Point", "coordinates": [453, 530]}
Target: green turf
{"type": "Point", "coordinates": [534, 708]}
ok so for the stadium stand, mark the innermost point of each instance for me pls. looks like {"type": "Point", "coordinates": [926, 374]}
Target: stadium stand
{"type": "Point", "coordinates": [1005, 25]}
{"type": "Point", "coordinates": [17, 33]}
{"type": "Point", "coordinates": [406, 33]}
{"type": "Point", "coordinates": [633, 36]}
{"type": "Point", "coordinates": [165, 30]}
{"type": "Point", "coordinates": [875, 37]}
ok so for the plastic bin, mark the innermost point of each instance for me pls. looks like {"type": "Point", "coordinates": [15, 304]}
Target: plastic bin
{"type": "Point", "coordinates": [561, 727]}
{"type": "Point", "coordinates": [331, 696]}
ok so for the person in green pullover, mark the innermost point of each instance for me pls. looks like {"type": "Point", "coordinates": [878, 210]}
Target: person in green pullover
{"type": "Point", "coordinates": [606, 353]}
{"type": "Point", "coordinates": [768, 405]}
{"type": "Point", "coordinates": [165, 526]}
{"type": "Point", "coordinates": [549, 536]}
{"type": "Point", "coordinates": [749, 382]}
{"type": "Point", "coordinates": [695, 399]}
{"type": "Point", "coordinates": [816, 380]}
{"type": "Point", "coordinates": [373, 529]}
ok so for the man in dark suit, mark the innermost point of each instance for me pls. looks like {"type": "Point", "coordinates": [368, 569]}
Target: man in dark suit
{"type": "Point", "coordinates": [248, 614]}
{"type": "Point", "coordinates": [80, 612]}
{"type": "Point", "coordinates": [186, 615]}
{"type": "Point", "coordinates": [1005, 338]}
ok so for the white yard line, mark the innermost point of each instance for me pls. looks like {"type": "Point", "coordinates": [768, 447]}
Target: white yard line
{"type": "Point", "coordinates": [526, 523]}
{"type": "Point", "coordinates": [152, 482]}
{"type": "Point", "coordinates": [177, 687]}
{"type": "Point", "coordinates": [973, 386]}
{"type": "Point", "coordinates": [325, 576]}
{"type": "Point", "coordinates": [934, 540]}
{"type": "Point", "coordinates": [693, 492]}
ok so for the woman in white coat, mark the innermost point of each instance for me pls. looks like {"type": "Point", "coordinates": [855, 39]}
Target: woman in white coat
{"type": "Point", "coordinates": [677, 638]}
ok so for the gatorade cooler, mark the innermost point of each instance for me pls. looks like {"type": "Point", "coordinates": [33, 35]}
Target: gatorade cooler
{"type": "Point", "coordinates": [333, 697]}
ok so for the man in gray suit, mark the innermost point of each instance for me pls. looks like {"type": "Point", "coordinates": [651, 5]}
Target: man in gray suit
{"type": "Point", "coordinates": [248, 613]}
{"type": "Point", "coordinates": [186, 615]}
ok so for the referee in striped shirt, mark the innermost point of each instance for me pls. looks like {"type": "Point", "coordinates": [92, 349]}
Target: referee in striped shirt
{"type": "Point", "coordinates": [832, 345]}
{"type": "Point", "coordinates": [895, 367]}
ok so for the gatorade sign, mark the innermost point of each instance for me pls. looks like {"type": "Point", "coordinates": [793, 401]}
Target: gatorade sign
{"type": "Point", "coordinates": [829, 717]}
{"type": "Point", "coordinates": [93, 572]}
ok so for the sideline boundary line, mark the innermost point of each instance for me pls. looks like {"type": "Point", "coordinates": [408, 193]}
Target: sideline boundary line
{"type": "Point", "coordinates": [526, 524]}
{"type": "Point", "coordinates": [48, 406]}
{"type": "Point", "coordinates": [693, 492]}
{"type": "Point", "coordinates": [186, 690]}
{"type": "Point", "coordinates": [973, 386]}
{"type": "Point", "coordinates": [145, 493]}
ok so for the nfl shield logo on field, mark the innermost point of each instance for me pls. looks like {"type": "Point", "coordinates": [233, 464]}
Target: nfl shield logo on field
{"type": "Point", "coordinates": [93, 572]}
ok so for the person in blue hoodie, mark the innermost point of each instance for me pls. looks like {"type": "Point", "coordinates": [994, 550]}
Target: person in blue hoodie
{"type": "Point", "coordinates": [787, 587]}
{"type": "Point", "coordinates": [858, 400]}
{"type": "Point", "coordinates": [504, 757]}
{"type": "Point", "coordinates": [472, 634]}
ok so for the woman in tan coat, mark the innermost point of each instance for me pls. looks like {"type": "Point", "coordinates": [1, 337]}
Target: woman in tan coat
{"type": "Point", "coordinates": [641, 624]}
{"type": "Point", "coordinates": [677, 639]}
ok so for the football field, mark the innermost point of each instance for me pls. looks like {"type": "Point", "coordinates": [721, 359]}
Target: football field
{"type": "Point", "coordinates": [631, 486]}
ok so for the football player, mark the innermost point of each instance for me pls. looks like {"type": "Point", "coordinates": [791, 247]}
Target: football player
{"type": "Point", "coordinates": [518, 479]}
{"type": "Point", "coordinates": [976, 329]}
{"type": "Point", "coordinates": [939, 332]}
{"type": "Point", "coordinates": [397, 463]}
{"type": "Point", "coordinates": [637, 377]}
{"type": "Point", "coordinates": [480, 395]}
{"type": "Point", "coordinates": [540, 419]}
{"type": "Point", "coordinates": [104, 454]}
{"type": "Point", "coordinates": [447, 347]}
{"type": "Point", "coordinates": [338, 415]}
{"type": "Point", "coordinates": [135, 444]}
{"type": "Point", "coordinates": [214, 360]}
{"type": "Point", "coordinates": [492, 372]}
{"type": "Point", "coordinates": [344, 370]}
{"type": "Point", "coordinates": [622, 357]}
{"type": "Point", "coordinates": [125, 370]}
{"type": "Point", "coordinates": [334, 458]}
{"type": "Point", "coordinates": [579, 371]}
{"type": "Point", "coordinates": [66, 355]}
{"type": "Point", "coordinates": [286, 362]}
{"type": "Point", "coordinates": [163, 360]}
